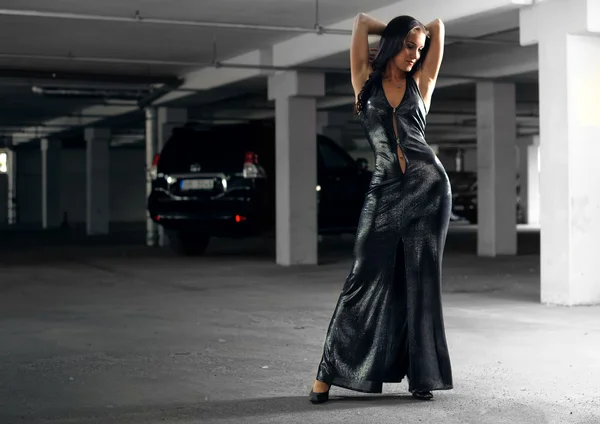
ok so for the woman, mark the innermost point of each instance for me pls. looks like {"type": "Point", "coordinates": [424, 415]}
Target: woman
{"type": "Point", "coordinates": [388, 321]}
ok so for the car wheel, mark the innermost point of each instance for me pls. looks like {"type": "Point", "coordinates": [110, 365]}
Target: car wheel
{"type": "Point", "coordinates": [188, 243]}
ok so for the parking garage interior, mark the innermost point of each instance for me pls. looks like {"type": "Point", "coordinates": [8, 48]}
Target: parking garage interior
{"type": "Point", "coordinates": [107, 315]}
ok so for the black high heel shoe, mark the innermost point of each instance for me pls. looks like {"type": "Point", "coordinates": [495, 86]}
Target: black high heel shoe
{"type": "Point", "coordinates": [424, 395]}
{"type": "Point", "coordinates": [318, 397]}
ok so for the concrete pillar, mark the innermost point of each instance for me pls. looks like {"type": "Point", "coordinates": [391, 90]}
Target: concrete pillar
{"type": "Point", "coordinates": [569, 87]}
{"type": "Point", "coordinates": [470, 160]}
{"type": "Point", "coordinates": [51, 165]}
{"type": "Point", "coordinates": [167, 119]}
{"type": "Point", "coordinates": [11, 163]}
{"type": "Point", "coordinates": [97, 180]}
{"type": "Point", "coordinates": [496, 176]}
{"type": "Point", "coordinates": [296, 165]}
{"type": "Point", "coordinates": [529, 177]}
{"type": "Point", "coordinates": [533, 184]}
{"type": "Point", "coordinates": [151, 143]}
{"type": "Point", "coordinates": [459, 160]}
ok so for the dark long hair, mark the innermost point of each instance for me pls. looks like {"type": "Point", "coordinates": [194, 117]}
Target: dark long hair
{"type": "Point", "coordinates": [390, 44]}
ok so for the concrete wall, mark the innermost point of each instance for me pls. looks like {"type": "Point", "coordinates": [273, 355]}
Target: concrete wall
{"type": "Point", "coordinates": [29, 186]}
{"type": "Point", "coordinates": [3, 199]}
{"type": "Point", "coordinates": [127, 183]}
{"type": "Point", "coordinates": [470, 160]}
{"type": "Point", "coordinates": [127, 186]}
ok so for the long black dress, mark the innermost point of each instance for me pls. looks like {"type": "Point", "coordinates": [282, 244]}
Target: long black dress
{"type": "Point", "coordinates": [388, 321]}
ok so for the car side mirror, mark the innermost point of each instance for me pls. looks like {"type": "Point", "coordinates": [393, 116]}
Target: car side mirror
{"type": "Point", "coordinates": [362, 164]}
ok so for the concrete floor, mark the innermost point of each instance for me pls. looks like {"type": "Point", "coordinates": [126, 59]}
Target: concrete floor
{"type": "Point", "coordinates": [111, 331]}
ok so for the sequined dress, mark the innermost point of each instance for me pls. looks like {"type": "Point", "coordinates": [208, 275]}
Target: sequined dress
{"type": "Point", "coordinates": [388, 322]}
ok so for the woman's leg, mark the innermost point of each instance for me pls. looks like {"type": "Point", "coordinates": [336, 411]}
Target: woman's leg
{"type": "Point", "coordinates": [429, 362]}
{"type": "Point", "coordinates": [364, 339]}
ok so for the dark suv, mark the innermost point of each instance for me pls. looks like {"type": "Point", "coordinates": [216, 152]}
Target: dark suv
{"type": "Point", "coordinates": [222, 183]}
{"type": "Point", "coordinates": [464, 196]}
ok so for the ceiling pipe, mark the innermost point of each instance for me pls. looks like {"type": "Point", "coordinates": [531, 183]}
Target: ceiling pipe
{"type": "Point", "coordinates": [139, 19]}
{"type": "Point", "coordinates": [225, 65]}
{"type": "Point", "coordinates": [47, 84]}
{"type": "Point", "coordinates": [32, 77]}
{"type": "Point", "coordinates": [22, 125]}
{"type": "Point", "coordinates": [7, 112]}
{"type": "Point", "coordinates": [72, 58]}
{"type": "Point", "coordinates": [156, 62]}
{"type": "Point", "coordinates": [89, 93]}
{"type": "Point", "coordinates": [156, 94]}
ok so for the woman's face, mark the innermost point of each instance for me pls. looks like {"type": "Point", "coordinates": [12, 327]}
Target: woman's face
{"type": "Point", "coordinates": [411, 51]}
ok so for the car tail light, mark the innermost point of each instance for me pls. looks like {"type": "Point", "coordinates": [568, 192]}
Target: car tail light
{"type": "Point", "coordinates": [154, 167]}
{"type": "Point", "coordinates": [252, 168]}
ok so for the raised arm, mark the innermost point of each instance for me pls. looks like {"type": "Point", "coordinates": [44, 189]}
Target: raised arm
{"type": "Point", "coordinates": [364, 26]}
{"type": "Point", "coordinates": [427, 75]}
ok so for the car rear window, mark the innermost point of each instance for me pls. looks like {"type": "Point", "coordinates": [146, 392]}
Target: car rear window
{"type": "Point", "coordinates": [207, 151]}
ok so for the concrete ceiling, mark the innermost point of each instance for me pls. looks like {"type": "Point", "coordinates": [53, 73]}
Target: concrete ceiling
{"type": "Point", "coordinates": [20, 106]}
{"type": "Point", "coordinates": [35, 39]}
{"type": "Point", "coordinates": [61, 52]}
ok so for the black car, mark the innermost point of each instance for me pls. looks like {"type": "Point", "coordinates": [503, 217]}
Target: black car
{"type": "Point", "coordinates": [222, 183]}
{"type": "Point", "coordinates": [464, 197]}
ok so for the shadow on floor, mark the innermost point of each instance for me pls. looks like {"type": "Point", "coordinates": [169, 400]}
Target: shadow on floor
{"type": "Point", "coordinates": [220, 410]}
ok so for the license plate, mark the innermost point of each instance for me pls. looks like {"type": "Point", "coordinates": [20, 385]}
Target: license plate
{"type": "Point", "coordinates": [205, 184]}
